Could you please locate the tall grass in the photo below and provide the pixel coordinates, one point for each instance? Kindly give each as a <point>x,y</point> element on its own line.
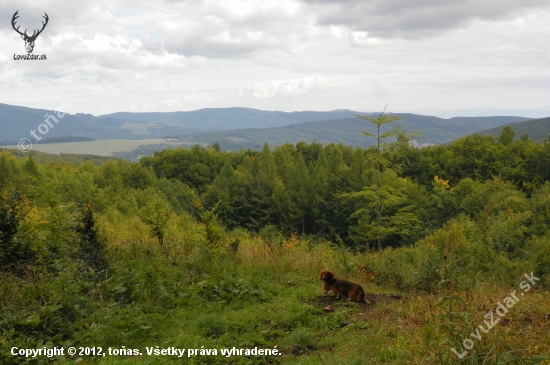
<point>250,290</point>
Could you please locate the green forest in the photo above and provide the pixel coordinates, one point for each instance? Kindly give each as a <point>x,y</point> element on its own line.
<point>213,249</point>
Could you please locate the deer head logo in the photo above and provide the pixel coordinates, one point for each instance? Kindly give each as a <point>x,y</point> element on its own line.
<point>29,40</point>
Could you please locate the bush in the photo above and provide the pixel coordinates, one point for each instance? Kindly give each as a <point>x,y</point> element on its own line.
<point>13,252</point>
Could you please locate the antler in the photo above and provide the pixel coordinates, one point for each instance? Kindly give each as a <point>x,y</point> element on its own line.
<point>34,34</point>
<point>43,25</point>
<point>15,16</point>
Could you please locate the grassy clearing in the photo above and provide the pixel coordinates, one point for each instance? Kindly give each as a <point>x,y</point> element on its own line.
<point>100,148</point>
<point>101,275</point>
<point>247,293</point>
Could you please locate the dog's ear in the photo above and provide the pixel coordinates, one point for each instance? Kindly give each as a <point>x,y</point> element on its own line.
<point>326,274</point>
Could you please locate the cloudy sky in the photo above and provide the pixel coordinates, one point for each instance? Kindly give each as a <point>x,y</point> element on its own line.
<point>168,55</point>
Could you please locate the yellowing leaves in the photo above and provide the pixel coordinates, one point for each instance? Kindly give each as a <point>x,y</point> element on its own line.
<point>294,242</point>
<point>444,183</point>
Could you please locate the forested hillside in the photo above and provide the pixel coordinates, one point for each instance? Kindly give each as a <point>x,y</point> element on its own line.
<point>432,130</point>
<point>231,118</point>
<point>17,122</point>
<point>221,249</point>
<point>537,129</point>
<point>316,189</point>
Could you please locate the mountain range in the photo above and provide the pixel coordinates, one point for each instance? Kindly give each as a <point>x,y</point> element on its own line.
<point>17,122</point>
<point>433,130</point>
<point>216,119</point>
<point>235,128</point>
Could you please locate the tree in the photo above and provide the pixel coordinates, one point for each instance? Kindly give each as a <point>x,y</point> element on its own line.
<point>299,190</point>
<point>222,192</point>
<point>284,204</point>
<point>156,215</point>
<point>380,121</point>
<point>13,252</point>
<point>209,218</point>
<point>267,168</point>
<point>400,224</point>
<point>319,186</point>
<point>507,135</point>
<point>92,247</point>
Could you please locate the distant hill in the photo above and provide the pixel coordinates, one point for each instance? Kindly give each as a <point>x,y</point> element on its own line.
<point>537,129</point>
<point>212,119</point>
<point>528,113</point>
<point>348,131</point>
<point>233,128</point>
<point>16,122</point>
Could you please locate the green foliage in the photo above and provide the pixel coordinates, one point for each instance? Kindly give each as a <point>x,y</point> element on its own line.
<point>197,167</point>
<point>271,235</point>
<point>536,129</point>
<point>211,325</point>
<point>92,246</point>
<point>207,286</point>
<point>230,290</point>
<point>209,219</point>
<point>8,168</point>
<point>507,135</point>
<point>14,252</point>
<point>347,129</point>
<point>301,341</point>
<point>156,214</point>
<point>379,162</point>
<point>177,194</point>
<point>399,221</point>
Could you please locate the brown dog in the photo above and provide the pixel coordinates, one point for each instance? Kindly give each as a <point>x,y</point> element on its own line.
<point>345,288</point>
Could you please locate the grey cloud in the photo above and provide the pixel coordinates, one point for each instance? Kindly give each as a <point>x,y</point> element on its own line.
<point>215,31</point>
<point>61,14</point>
<point>152,46</point>
<point>414,19</point>
<point>213,49</point>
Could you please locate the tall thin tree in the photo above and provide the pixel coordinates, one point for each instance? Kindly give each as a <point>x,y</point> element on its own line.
<point>380,121</point>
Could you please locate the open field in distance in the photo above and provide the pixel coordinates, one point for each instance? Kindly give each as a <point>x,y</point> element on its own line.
<point>101,148</point>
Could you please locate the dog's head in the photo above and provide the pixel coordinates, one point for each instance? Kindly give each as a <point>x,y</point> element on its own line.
<point>326,275</point>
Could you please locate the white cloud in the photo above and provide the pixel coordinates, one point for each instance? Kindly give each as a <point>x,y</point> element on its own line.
<point>285,55</point>
<point>282,88</point>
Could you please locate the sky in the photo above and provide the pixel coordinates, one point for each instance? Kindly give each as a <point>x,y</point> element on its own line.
<point>423,56</point>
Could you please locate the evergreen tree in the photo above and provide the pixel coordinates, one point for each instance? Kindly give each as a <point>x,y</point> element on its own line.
<point>299,191</point>
<point>92,247</point>
<point>283,160</point>
<point>31,167</point>
<point>267,168</point>
<point>507,135</point>
<point>399,224</point>
<point>285,207</point>
<point>319,185</point>
<point>13,252</point>
<point>380,121</point>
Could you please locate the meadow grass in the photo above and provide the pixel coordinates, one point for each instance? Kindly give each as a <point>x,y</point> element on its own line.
<point>246,292</point>
<point>100,148</point>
